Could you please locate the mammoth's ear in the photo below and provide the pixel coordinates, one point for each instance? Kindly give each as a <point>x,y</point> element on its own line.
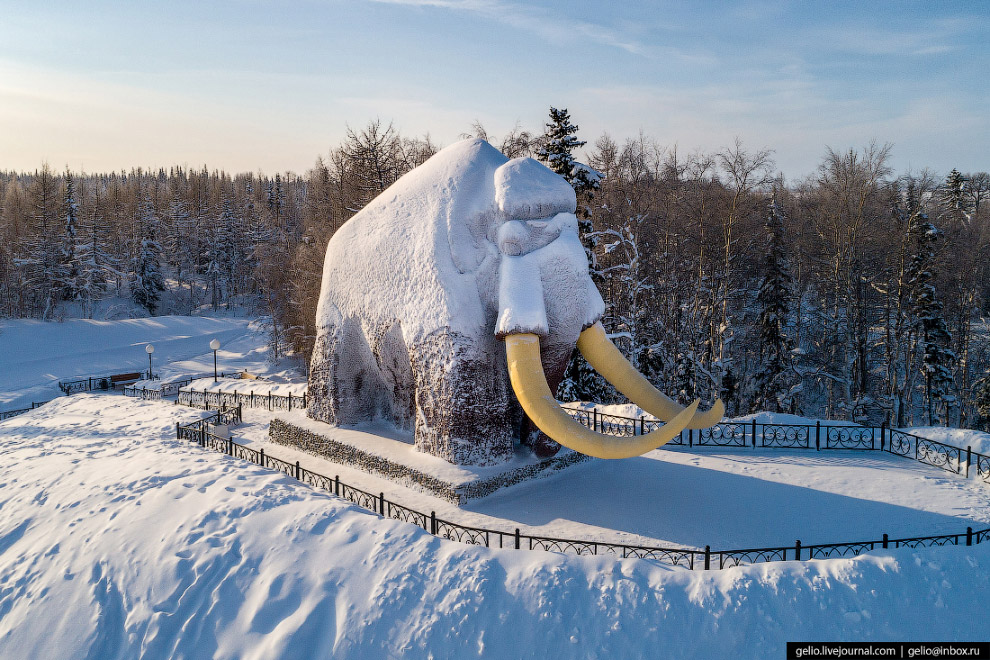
<point>471,215</point>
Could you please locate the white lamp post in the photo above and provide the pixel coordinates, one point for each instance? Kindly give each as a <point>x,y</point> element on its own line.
<point>215,345</point>
<point>149,349</point>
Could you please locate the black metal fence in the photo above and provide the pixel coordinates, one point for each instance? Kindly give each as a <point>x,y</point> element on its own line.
<point>103,382</point>
<point>691,558</point>
<point>7,414</point>
<point>165,389</point>
<point>267,400</point>
<point>802,436</point>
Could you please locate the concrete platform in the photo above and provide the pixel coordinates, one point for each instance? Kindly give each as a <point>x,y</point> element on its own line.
<point>382,450</point>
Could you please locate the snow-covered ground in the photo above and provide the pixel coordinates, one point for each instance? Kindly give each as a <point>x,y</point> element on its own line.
<point>725,498</point>
<point>35,355</point>
<point>118,541</point>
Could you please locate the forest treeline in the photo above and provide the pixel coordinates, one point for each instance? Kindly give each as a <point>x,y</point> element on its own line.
<point>855,293</point>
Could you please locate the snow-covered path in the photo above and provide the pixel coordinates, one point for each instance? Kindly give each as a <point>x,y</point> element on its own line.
<point>117,541</point>
<point>35,355</point>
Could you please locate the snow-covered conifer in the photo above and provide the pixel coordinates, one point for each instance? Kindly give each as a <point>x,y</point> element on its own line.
<point>772,382</point>
<point>937,359</point>
<point>148,282</point>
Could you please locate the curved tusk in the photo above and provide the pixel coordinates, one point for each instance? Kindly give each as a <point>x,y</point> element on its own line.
<point>607,360</point>
<point>530,385</point>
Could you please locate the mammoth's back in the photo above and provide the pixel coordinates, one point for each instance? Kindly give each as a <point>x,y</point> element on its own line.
<point>413,255</point>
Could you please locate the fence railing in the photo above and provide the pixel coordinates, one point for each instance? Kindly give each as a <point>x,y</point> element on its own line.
<point>6,414</point>
<point>202,398</point>
<point>802,436</point>
<point>167,389</point>
<point>691,558</point>
<point>101,382</point>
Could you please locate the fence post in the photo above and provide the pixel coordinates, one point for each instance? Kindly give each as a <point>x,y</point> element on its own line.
<point>304,400</point>
<point>797,550</point>
<point>269,399</point>
<point>262,463</point>
<point>594,419</point>
<point>517,538</point>
<point>708,557</point>
<point>336,485</point>
<point>433,523</point>
<point>969,459</point>
<point>642,425</point>
<point>381,503</point>
<point>885,541</point>
<point>764,434</point>
<point>969,536</point>
<point>691,437</point>
<point>297,471</point>
<point>290,402</point>
<point>240,414</point>
<point>754,433</point>
<point>230,446</point>
<point>177,435</point>
<point>818,435</point>
<point>883,435</point>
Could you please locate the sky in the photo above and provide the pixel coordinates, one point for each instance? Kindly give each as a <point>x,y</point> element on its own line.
<point>265,85</point>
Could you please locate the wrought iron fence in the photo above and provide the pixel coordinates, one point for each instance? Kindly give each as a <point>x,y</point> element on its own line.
<point>691,558</point>
<point>7,414</point>
<point>170,388</point>
<point>200,398</point>
<point>802,436</point>
<point>102,382</point>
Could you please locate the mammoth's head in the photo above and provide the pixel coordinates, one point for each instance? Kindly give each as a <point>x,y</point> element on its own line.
<point>546,293</point>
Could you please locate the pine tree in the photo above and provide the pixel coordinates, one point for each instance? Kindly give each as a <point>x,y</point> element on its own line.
<point>954,198</point>
<point>95,266</point>
<point>557,151</point>
<point>68,269</point>
<point>148,283</point>
<point>937,360</point>
<point>772,383</point>
<point>981,391</point>
<point>581,382</point>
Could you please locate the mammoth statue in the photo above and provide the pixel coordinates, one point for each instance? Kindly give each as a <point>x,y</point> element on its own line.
<point>450,306</point>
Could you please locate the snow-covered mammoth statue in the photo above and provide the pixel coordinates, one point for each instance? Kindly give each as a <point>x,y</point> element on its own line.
<point>422,287</point>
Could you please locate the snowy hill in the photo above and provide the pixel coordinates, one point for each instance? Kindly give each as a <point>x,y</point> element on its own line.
<point>36,355</point>
<point>117,541</point>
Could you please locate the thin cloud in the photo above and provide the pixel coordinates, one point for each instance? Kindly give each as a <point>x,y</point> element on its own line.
<point>556,28</point>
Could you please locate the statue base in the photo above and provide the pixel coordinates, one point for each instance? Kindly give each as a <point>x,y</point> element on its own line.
<point>385,452</point>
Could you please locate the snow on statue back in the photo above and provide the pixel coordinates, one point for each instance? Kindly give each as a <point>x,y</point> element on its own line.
<point>418,287</point>
<point>410,299</point>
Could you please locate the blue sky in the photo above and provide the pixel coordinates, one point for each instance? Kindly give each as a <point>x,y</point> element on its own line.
<point>264,85</point>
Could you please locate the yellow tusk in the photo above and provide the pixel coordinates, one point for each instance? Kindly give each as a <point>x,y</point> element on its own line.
<point>530,385</point>
<point>607,360</point>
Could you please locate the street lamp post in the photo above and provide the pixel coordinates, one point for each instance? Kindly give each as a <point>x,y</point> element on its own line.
<point>149,349</point>
<point>215,345</point>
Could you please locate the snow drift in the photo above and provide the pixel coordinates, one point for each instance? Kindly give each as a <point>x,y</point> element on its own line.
<point>117,541</point>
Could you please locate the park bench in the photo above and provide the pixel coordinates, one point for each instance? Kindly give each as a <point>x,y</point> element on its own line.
<point>123,379</point>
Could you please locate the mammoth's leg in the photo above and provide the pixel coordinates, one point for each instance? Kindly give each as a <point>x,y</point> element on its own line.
<point>345,382</point>
<point>462,405</point>
<point>324,400</point>
<point>554,359</point>
<point>395,371</point>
